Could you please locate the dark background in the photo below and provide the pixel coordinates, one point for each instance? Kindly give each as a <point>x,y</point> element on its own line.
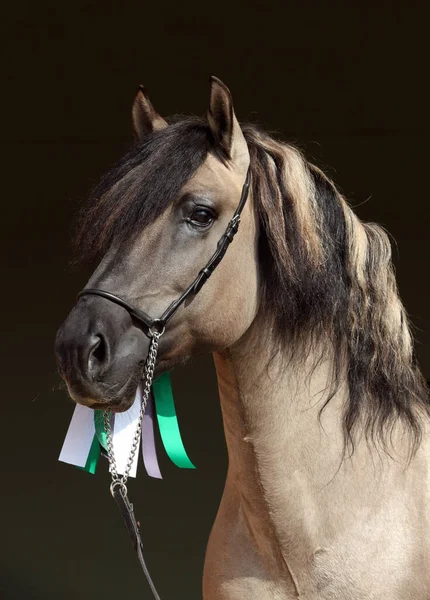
<point>344,80</point>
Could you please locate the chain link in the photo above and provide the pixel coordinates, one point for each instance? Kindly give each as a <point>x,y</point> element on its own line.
<point>148,377</point>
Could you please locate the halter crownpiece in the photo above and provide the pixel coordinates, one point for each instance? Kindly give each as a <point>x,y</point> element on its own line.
<point>150,326</point>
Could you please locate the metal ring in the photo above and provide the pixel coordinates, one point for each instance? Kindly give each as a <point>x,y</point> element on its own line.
<point>118,483</point>
<point>157,327</point>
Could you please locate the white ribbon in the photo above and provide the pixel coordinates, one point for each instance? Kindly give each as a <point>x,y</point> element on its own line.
<point>79,437</point>
<point>81,432</point>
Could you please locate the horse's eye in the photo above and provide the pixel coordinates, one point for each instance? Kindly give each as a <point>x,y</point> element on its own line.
<point>201,217</point>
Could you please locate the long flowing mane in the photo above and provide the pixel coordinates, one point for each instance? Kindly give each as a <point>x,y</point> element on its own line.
<point>327,277</point>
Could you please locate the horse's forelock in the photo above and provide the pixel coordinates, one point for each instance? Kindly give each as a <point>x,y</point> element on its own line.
<point>140,187</point>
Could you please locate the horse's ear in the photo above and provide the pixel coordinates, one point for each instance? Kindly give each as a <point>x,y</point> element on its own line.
<point>145,117</point>
<point>223,123</point>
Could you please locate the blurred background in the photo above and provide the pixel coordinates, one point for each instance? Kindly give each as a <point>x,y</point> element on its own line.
<point>343,80</point>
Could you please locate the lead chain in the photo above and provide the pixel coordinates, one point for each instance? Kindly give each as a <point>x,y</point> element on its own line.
<point>117,479</point>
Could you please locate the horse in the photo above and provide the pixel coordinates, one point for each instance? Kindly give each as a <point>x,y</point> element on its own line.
<point>325,411</point>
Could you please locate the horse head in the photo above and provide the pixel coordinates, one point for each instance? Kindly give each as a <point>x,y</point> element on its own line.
<point>155,221</point>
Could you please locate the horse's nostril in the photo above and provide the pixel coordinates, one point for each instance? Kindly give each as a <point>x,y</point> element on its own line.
<point>99,351</point>
<point>98,354</point>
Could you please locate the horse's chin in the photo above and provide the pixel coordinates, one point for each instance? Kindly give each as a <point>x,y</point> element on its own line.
<point>105,397</point>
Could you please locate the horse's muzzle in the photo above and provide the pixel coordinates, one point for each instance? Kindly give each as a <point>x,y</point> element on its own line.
<point>101,354</point>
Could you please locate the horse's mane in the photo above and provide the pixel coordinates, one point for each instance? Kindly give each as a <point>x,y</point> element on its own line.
<point>326,275</point>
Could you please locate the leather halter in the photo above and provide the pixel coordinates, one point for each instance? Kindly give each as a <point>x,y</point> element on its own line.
<point>150,325</point>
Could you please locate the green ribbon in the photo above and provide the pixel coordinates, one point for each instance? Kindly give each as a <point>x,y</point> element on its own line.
<point>93,457</point>
<point>99,424</point>
<point>99,439</point>
<point>168,422</point>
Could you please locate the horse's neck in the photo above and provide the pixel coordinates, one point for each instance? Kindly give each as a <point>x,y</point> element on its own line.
<point>285,464</point>
<point>274,436</point>
<point>274,411</point>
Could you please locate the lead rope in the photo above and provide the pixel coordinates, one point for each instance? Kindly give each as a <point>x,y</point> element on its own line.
<point>118,487</point>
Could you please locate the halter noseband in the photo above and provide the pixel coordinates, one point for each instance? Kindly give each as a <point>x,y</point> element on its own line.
<point>158,325</point>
